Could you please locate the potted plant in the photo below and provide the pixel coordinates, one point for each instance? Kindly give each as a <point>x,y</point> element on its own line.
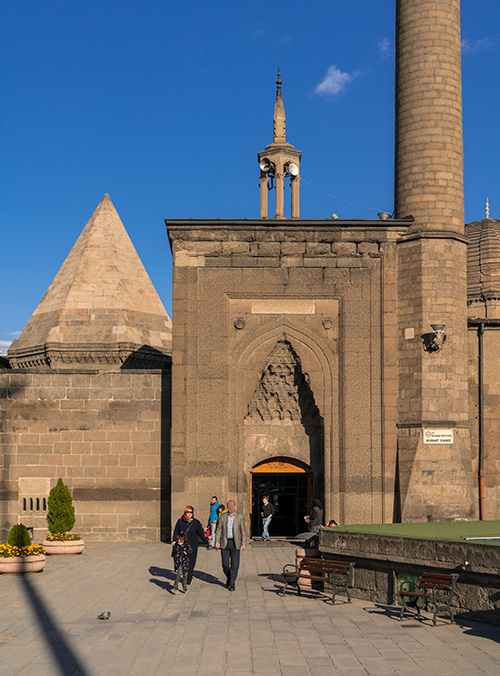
<point>19,555</point>
<point>60,520</point>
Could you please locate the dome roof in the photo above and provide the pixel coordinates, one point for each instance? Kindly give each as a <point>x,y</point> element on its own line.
<point>483,260</point>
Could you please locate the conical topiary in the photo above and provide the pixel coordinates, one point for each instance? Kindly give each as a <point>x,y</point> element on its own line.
<point>19,536</point>
<point>61,513</point>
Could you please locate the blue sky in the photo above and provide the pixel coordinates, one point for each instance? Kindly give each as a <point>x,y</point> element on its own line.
<point>164,105</point>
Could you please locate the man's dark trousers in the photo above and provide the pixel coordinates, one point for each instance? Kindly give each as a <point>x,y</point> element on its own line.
<point>230,562</point>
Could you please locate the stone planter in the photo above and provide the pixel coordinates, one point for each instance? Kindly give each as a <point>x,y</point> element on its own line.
<point>22,564</point>
<point>64,546</point>
<point>303,582</point>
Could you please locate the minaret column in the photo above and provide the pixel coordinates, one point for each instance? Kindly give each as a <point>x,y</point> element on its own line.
<point>429,149</point>
<point>263,196</point>
<point>294,188</point>
<point>436,481</point>
<point>280,195</point>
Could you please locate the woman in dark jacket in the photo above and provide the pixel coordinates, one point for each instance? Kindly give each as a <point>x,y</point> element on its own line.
<point>193,530</point>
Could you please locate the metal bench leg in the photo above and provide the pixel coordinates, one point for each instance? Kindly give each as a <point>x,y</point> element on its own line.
<point>402,609</point>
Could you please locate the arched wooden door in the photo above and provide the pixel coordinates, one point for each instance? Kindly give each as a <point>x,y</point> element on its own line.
<point>288,482</point>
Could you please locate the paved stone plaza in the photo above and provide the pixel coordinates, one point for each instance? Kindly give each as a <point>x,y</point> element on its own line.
<point>48,623</point>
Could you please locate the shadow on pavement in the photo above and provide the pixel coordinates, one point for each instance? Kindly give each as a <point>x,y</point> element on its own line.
<point>392,612</point>
<point>163,584</point>
<point>155,571</point>
<point>206,577</point>
<point>410,618</point>
<point>168,583</point>
<point>65,658</point>
<point>274,577</point>
<point>472,628</point>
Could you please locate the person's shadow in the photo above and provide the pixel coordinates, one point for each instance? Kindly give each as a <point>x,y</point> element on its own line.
<point>206,577</point>
<point>168,583</point>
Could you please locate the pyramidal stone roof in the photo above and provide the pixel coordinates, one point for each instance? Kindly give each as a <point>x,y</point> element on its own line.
<point>101,310</point>
<point>483,260</point>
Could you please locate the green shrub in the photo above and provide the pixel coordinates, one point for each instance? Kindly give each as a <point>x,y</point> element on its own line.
<point>19,536</point>
<point>61,513</point>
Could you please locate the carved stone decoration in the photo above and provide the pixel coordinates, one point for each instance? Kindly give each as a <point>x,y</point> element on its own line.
<point>327,323</point>
<point>283,392</point>
<point>239,323</point>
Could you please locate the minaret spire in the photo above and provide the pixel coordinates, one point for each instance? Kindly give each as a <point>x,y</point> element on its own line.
<point>487,208</point>
<point>279,123</point>
<point>278,161</point>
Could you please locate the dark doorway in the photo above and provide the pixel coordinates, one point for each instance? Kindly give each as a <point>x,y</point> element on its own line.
<point>288,492</point>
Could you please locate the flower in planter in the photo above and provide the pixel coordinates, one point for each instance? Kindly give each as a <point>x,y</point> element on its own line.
<point>61,513</point>
<point>7,551</point>
<point>62,537</point>
<point>19,544</point>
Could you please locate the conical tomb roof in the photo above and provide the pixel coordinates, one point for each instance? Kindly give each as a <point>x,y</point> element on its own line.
<point>101,310</point>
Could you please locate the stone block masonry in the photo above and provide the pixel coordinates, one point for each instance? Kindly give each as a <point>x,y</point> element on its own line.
<point>326,291</point>
<point>105,433</point>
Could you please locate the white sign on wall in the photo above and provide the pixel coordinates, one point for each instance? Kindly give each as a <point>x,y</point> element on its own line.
<point>432,435</point>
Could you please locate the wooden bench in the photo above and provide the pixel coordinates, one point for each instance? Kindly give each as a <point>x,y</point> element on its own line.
<point>434,587</point>
<point>337,573</point>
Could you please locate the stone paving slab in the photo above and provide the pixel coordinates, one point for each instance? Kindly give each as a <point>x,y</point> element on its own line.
<point>48,623</point>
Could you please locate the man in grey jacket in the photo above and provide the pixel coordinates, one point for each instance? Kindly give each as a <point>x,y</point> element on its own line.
<point>231,538</point>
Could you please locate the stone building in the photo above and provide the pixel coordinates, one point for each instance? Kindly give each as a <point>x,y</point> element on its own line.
<point>329,359</point>
<point>87,397</point>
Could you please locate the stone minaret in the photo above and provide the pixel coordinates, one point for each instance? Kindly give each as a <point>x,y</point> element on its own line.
<point>279,160</point>
<point>436,480</point>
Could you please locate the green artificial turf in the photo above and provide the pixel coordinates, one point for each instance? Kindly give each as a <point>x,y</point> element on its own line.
<point>442,530</point>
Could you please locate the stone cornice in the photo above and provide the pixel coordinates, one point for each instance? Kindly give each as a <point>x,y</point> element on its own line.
<point>433,234</point>
<point>413,424</point>
<point>60,355</point>
<point>285,224</point>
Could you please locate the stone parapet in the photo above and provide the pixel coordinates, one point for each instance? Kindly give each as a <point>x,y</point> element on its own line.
<point>382,559</point>
<point>274,244</point>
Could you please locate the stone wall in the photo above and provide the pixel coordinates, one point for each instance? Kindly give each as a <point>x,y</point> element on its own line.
<point>326,288</point>
<point>382,559</point>
<point>491,366</point>
<point>105,433</point>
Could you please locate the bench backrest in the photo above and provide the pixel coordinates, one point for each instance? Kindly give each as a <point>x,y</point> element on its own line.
<point>325,565</point>
<point>437,581</point>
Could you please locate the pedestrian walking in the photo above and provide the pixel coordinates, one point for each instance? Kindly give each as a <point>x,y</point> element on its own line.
<point>266,514</point>
<point>194,532</point>
<point>180,553</point>
<point>231,539</point>
<point>213,518</point>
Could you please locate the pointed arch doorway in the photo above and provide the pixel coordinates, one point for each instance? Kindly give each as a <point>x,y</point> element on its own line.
<point>289,484</point>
